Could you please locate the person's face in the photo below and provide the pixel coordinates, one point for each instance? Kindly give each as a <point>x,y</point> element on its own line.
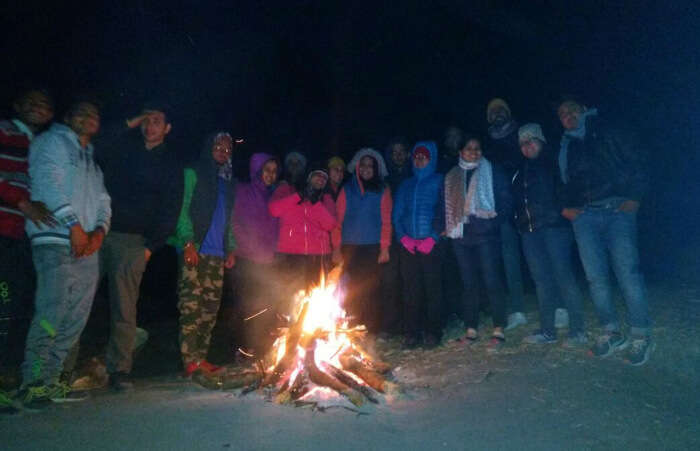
<point>531,148</point>
<point>294,167</point>
<point>154,127</point>
<point>85,120</point>
<point>499,115</point>
<point>399,154</point>
<point>471,152</point>
<point>318,181</point>
<point>420,160</point>
<point>336,174</point>
<point>570,114</point>
<point>268,174</point>
<point>366,168</point>
<point>221,149</point>
<point>34,109</point>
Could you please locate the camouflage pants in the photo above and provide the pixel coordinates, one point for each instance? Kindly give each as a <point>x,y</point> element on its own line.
<point>200,289</point>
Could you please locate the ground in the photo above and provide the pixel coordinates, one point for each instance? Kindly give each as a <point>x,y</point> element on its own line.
<point>456,397</point>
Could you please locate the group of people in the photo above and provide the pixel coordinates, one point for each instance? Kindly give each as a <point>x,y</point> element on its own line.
<point>404,225</point>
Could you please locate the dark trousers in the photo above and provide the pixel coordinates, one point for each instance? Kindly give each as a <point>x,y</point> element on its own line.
<point>391,304</point>
<point>362,300</point>
<point>17,281</point>
<point>481,263</point>
<point>422,292</point>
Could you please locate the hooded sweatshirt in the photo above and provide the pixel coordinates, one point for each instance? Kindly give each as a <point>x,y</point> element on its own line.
<point>418,204</point>
<point>65,177</point>
<point>254,228</point>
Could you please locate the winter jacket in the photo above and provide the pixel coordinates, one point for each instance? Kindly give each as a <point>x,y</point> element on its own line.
<point>481,230</point>
<point>145,186</point>
<point>65,177</point>
<point>607,163</point>
<point>304,227</point>
<point>364,217</point>
<point>418,204</point>
<point>255,229</point>
<point>14,180</point>
<point>505,152</point>
<point>535,195</point>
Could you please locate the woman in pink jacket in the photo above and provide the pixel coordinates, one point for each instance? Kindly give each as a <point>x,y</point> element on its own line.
<point>306,219</point>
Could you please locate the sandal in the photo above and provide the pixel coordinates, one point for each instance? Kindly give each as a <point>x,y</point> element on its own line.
<point>495,343</point>
<point>468,338</point>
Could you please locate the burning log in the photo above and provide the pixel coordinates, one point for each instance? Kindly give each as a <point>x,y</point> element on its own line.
<point>320,378</point>
<point>350,382</point>
<point>372,378</point>
<point>293,337</point>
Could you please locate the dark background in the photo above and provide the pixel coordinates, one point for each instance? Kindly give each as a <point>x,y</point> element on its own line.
<point>330,77</point>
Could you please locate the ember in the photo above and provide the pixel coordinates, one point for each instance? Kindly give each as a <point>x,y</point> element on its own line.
<point>318,354</point>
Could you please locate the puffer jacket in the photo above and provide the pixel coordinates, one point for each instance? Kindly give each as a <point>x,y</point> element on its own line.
<point>535,199</point>
<point>418,204</point>
<point>304,227</point>
<point>606,163</point>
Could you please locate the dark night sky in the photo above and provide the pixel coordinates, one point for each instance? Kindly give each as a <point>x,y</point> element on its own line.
<point>328,76</point>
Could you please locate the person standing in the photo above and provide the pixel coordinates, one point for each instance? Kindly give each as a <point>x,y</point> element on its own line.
<point>417,218</point>
<point>143,178</point>
<point>65,177</point>
<point>336,175</point>
<point>605,176</point>
<point>364,229</point>
<point>204,234</point>
<point>33,111</point>
<point>547,239</point>
<point>477,202</point>
<point>255,231</point>
<point>503,149</point>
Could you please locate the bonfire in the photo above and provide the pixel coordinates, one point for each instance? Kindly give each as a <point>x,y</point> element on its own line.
<point>318,355</point>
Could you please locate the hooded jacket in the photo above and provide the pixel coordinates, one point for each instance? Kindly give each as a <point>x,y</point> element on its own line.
<point>364,217</point>
<point>418,204</point>
<point>200,195</point>
<point>65,177</point>
<point>254,228</point>
<point>304,227</point>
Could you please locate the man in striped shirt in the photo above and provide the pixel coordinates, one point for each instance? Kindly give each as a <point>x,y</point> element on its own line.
<point>33,112</point>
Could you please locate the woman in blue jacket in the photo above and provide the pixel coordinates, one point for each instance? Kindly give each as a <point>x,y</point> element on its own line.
<point>417,220</point>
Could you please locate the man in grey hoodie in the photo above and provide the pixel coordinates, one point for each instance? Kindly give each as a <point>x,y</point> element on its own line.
<point>65,177</point>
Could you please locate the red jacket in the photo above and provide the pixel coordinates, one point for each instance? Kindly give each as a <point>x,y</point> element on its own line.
<point>14,181</point>
<point>304,227</point>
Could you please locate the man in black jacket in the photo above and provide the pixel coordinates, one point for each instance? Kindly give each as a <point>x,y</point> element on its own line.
<point>142,177</point>
<point>604,175</point>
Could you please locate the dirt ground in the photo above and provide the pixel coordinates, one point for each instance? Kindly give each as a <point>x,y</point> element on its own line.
<point>455,397</point>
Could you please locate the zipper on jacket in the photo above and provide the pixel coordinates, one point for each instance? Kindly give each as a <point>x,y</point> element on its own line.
<point>527,209</point>
<point>306,234</point>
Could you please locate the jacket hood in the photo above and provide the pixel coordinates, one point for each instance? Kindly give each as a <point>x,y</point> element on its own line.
<point>64,130</point>
<point>352,167</point>
<point>432,164</point>
<point>258,160</point>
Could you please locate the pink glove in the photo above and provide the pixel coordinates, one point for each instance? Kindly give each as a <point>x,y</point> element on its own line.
<point>409,243</point>
<point>424,246</point>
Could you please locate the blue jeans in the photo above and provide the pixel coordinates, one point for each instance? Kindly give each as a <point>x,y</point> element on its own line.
<point>606,236</point>
<point>548,253</point>
<point>510,250</point>
<point>65,289</point>
<point>481,263</point>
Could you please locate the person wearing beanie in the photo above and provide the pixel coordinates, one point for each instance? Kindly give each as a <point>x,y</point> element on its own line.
<point>477,202</point>
<point>418,222</point>
<point>336,175</point>
<point>547,239</point>
<point>306,218</point>
<point>364,231</point>
<point>604,173</point>
<point>502,149</point>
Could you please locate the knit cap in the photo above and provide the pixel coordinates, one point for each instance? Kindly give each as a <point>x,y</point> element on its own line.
<point>530,131</point>
<point>336,162</point>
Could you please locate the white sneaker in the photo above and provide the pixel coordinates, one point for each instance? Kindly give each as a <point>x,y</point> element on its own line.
<point>561,318</point>
<point>516,319</point>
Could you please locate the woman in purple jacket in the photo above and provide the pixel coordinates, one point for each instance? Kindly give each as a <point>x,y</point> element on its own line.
<point>255,231</point>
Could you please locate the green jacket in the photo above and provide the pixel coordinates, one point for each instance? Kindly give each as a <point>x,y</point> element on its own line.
<point>185,230</point>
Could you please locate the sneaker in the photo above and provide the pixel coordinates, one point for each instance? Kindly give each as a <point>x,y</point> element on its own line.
<point>120,382</point>
<point>561,318</point>
<point>33,394</point>
<point>608,343</point>
<point>516,319</point>
<point>575,341</point>
<point>639,351</point>
<point>495,343</point>
<point>410,342</point>
<point>430,341</point>
<point>61,392</point>
<point>539,338</point>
